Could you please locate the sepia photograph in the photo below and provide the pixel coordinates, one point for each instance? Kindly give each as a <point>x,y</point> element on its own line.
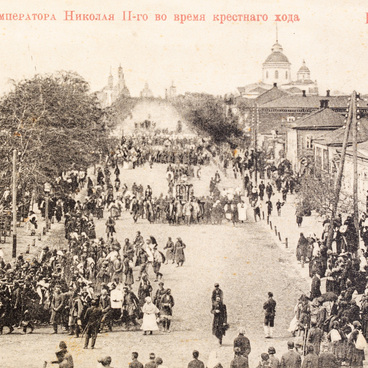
<point>183,184</point>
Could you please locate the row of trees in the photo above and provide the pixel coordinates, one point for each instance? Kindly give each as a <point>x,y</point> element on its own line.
<point>207,114</point>
<point>54,123</point>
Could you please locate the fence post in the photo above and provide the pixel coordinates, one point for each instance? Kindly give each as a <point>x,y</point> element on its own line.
<point>286,243</point>
<point>271,225</point>
<point>279,235</point>
<point>275,230</point>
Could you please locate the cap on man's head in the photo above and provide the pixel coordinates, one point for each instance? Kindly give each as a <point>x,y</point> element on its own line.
<point>264,356</point>
<point>217,285</point>
<point>290,344</point>
<point>161,283</point>
<point>62,345</point>
<point>270,294</point>
<point>271,350</point>
<point>152,356</point>
<point>159,361</point>
<point>195,354</point>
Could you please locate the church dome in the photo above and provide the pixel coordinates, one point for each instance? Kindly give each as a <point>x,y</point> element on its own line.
<point>304,68</point>
<point>277,57</point>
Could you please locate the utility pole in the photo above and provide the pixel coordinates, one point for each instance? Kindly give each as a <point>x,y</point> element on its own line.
<point>355,118</point>
<point>255,146</point>
<point>341,170</point>
<point>14,204</point>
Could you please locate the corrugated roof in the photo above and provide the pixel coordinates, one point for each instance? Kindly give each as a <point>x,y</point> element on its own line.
<point>323,118</point>
<point>336,137</point>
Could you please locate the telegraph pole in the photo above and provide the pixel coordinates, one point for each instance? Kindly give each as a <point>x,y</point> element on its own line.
<point>14,204</point>
<point>341,170</point>
<point>355,123</point>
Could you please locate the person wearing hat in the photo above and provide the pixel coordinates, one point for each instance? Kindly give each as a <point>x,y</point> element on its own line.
<point>131,308</point>
<point>160,292</point>
<point>166,306</point>
<point>195,363</point>
<point>92,319</point>
<point>243,343</point>
<point>315,336</point>
<point>269,308</point>
<point>311,359</point>
<point>265,361</point>
<point>57,305</point>
<point>219,325</point>
<point>217,292</point>
<point>291,359</point>
<point>356,355</point>
<point>105,361</point>
<point>274,362</point>
<point>152,361</point>
<point>239,360</point>
<point>67,356</point>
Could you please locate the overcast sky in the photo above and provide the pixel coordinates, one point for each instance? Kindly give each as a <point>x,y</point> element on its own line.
<point>199,56</point>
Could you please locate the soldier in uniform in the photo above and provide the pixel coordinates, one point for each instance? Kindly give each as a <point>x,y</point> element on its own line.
<point>217,292</point>
<point>57,305</point>
<point>105,305</point>
<point>93,320</point>
<point>270,311</point>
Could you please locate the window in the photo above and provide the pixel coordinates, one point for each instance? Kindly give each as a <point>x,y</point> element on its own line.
<point>286,75</point>
<point>309,142</point>
<point>266,75</point>
<point>276,74</point>
<point>290,119</point>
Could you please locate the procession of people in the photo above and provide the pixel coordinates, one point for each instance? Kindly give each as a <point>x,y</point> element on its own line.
<point>99,281</point>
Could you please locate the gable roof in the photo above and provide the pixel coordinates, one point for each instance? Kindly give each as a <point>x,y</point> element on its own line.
<point>320,119</point>
<point>270,95</point>
<point>336,137</point>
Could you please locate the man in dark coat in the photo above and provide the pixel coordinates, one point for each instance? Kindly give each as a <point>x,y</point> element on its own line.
<point>243,343</point>
<point>239,360</point>
<point>93,320</point>
<point>135,363</point>
<point>327,359</point>
<point>219,325</point>
<point>195,363</point>
<point>217,292</point>
<point>57,305</point>
<point>315,336</point>
<point>291,359</point>
<point>270,311</point>
<point>311,359</point>
<point>315,287</point>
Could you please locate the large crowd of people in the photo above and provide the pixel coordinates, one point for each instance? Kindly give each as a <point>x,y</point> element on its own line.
<point>99,282</point>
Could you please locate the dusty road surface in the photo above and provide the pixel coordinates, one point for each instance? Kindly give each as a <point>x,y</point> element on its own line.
<point>244,260</point>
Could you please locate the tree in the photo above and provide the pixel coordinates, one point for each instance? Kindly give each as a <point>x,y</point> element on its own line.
<point>53,122</point>
<point>318,194</point>
<point>206,114</point>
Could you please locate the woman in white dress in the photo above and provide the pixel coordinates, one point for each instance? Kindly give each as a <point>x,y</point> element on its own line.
<point>242,211</point>
<point>149,317</point>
